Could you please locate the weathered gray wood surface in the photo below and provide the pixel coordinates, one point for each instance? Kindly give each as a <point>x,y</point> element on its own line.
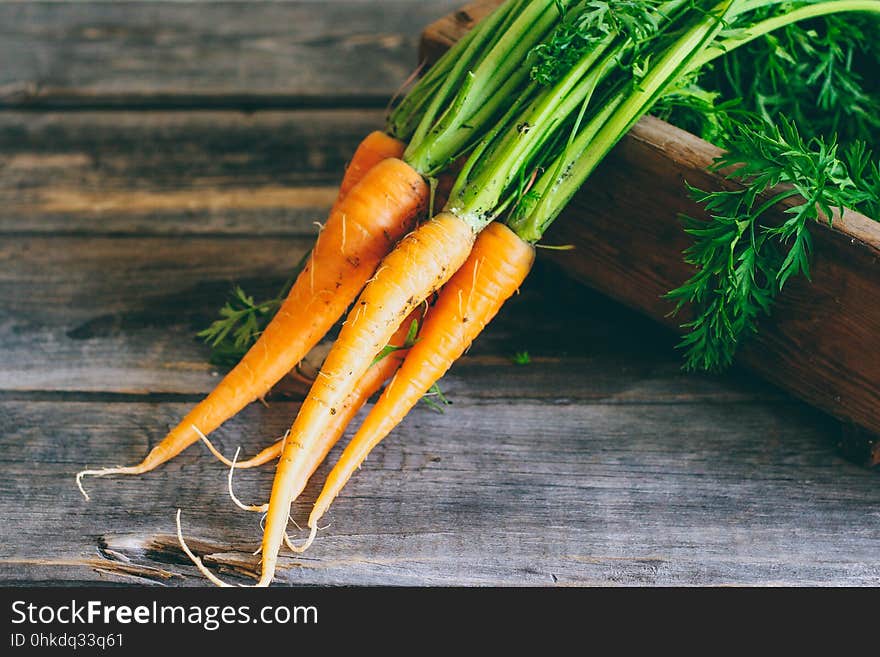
<point>124,54</point>
<point>598,463</point>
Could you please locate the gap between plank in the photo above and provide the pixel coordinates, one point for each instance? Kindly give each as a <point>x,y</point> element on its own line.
<point>72,102</point>
<point>87,396</point>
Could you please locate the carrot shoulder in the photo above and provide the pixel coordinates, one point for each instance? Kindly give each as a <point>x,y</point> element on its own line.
<point>495,269</point>
<point>374,148</point>
<point>361,229</point>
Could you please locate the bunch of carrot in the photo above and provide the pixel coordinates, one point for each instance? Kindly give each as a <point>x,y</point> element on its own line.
<point>531,100</point>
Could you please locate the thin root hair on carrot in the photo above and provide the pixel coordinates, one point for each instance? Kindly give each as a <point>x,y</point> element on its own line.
<point>196,560</point>
<point>263,522</point>
<point>342,245</point>
<point>473,283</point>
<point>262,457</point>
<point>378,271</point>
<point>299,549</point>
<point>211,448</point>
<point>556,247</point>
<point>357,313</point>
<point>103,472</point>
<point>262,508</point>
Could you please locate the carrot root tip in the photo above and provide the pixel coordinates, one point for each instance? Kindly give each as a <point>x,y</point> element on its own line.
<point>103,472</point>
<point>261,458</point>
<point>196,560</point>
<point>299,549</point>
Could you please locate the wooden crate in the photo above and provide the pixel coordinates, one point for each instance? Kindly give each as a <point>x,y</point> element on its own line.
<point>821,343</point>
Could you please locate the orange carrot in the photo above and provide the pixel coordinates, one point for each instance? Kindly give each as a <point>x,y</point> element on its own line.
<point>362,228</point>
<point>422,262</point>
<point>495,269</point>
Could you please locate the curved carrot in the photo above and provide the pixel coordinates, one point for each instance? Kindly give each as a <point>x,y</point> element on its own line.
<point>374,378</point>
<point>422,262</point>
<point>362,228</point>
<point>495,269</point>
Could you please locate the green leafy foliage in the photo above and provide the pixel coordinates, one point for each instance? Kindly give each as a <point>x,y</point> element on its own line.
<point>742,262</point>
<point>408,342</point>
<point>820,73</point>
<point>240,324</point>
<point>242,320</point>
<point>699,111</point>
<point>521,358</point>
<point>435,398</point>
<point>584,25</point>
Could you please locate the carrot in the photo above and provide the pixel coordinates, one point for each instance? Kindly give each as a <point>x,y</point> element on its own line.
<point>500,263</point>
<point>495,269</point>
<point>422,262</point>
<point>361,229</point>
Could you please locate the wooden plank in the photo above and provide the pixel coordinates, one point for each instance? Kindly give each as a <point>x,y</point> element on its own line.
<point>118,314</point>
<point>689,494</point>
<point>819,343</point>
<point>194,172</point>
<point>225,54</point>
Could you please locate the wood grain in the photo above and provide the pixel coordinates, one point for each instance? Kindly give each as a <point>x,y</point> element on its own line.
<point>200,54</point>
<point>608,495</point>
<point>182,172</point>
<point>819,343</point>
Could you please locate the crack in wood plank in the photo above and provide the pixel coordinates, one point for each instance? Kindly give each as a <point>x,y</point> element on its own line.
<point>108,566</point>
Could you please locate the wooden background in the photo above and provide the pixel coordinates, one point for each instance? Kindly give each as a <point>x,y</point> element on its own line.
<point>153,154</point>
